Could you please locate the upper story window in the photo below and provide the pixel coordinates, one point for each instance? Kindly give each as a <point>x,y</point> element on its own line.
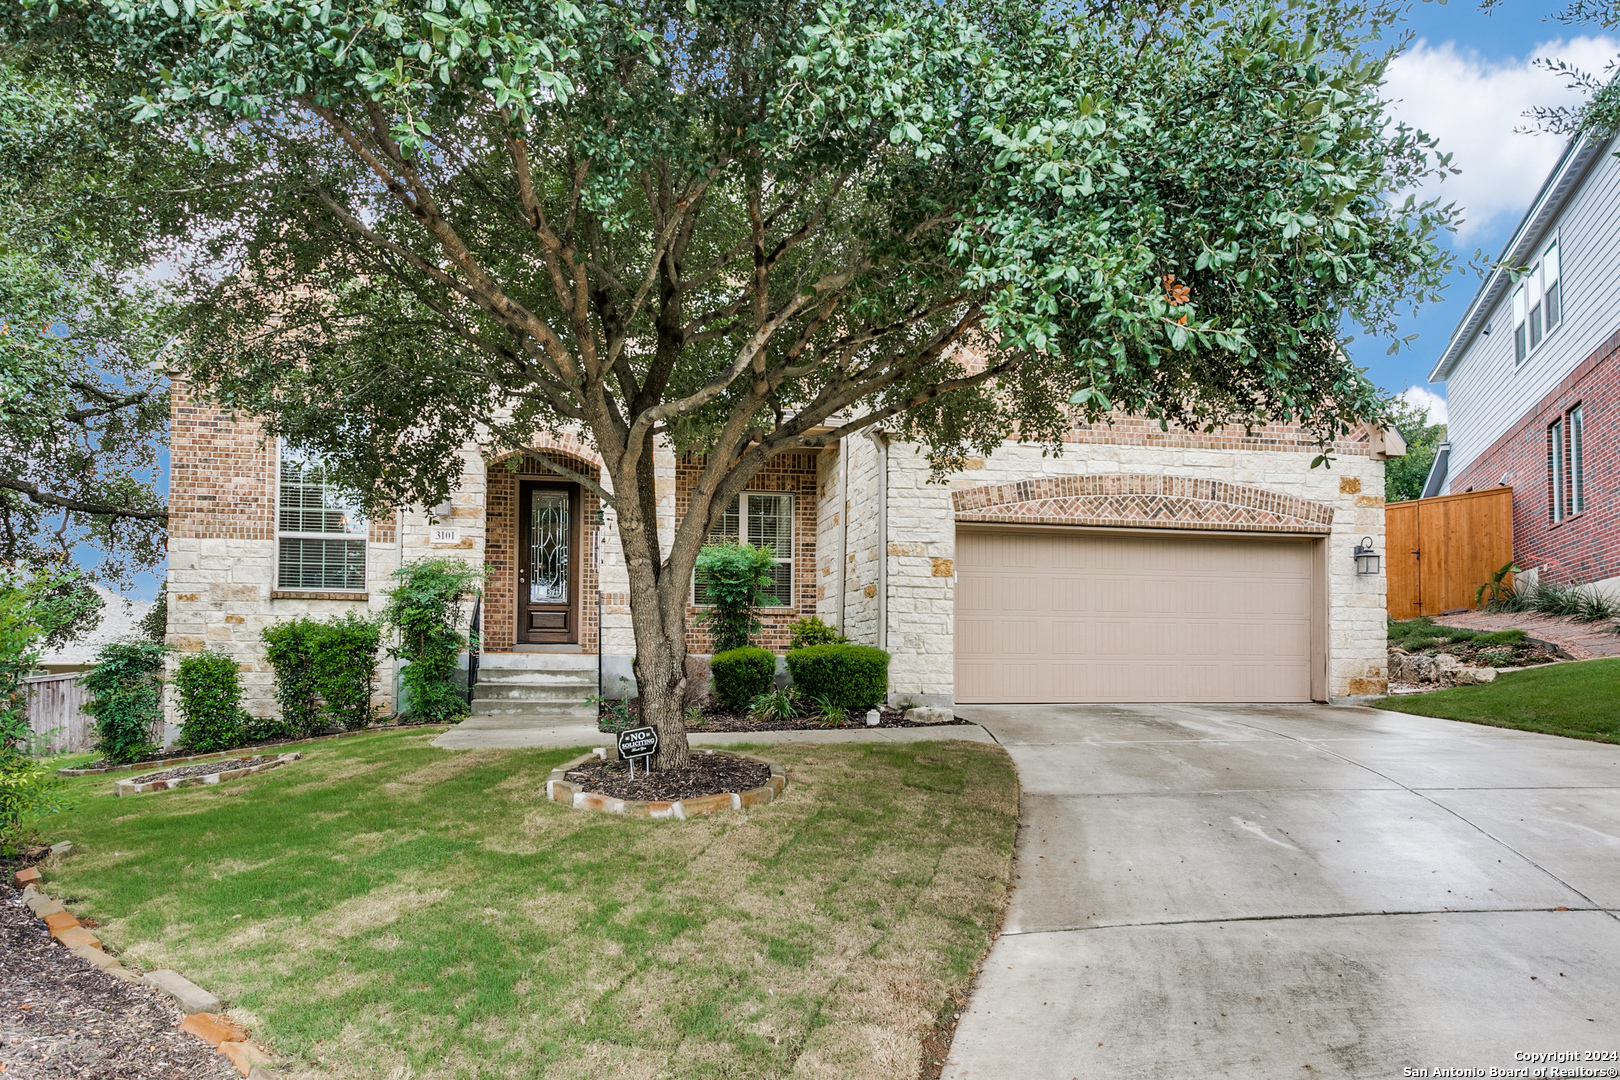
<point>1538,305</point>
<point>1566,467</point>
<point>320,534</point>
<point>764,519</point>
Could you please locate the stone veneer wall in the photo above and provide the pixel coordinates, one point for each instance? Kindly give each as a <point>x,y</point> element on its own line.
<point>922,519</point>
<point>222,548</point>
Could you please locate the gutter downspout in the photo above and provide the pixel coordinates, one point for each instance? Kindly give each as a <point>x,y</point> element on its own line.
<point>881,441</point>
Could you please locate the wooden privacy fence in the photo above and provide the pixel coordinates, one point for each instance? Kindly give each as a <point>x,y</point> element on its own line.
<point>1441,550</point>
<point>56,708</point>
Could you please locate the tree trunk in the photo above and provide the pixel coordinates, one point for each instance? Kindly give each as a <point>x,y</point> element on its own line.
<point>658,618</point>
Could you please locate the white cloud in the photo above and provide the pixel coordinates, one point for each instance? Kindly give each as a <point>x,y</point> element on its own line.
<point>1427,400</point>
<point>1472,105</point>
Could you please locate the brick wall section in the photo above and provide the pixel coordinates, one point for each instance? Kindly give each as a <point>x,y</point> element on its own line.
<point>794,473</point>
<point>501,549</point>
<point>1585,547</point>
<point>1121,430</point>
<point>222,472</point>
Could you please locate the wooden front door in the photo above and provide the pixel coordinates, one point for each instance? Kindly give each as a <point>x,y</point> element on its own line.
<point>548,563</point>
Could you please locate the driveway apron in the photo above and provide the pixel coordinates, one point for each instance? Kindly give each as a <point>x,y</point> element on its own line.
<point>1298,891</point>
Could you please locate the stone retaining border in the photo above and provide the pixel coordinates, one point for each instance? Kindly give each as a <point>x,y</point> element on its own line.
<point>134,787</point>
<point>561,790</point>
<point>165,763</point>
<point>228,1038</point>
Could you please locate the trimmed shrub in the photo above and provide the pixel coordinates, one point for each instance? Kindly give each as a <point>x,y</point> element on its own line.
<point>346,669</point>
<point>126,698</point>
<point>325,672</point>
<point>211,701</point>
<point>741,675</point>
<point>425,608</point>
<point>731,582</point>
<point>289,648</point>
<point>852,676</point>
<point>810,631</point>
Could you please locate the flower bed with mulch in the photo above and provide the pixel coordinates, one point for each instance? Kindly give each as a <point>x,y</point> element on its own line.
<point>210,772</point>
<point>707,774</point>
<point>718,718</point>
<point>61,1017</point>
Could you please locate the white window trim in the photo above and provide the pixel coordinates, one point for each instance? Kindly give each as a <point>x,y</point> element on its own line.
<point>363,535</point>
<point>788,561</point>
<point>1535,282</point>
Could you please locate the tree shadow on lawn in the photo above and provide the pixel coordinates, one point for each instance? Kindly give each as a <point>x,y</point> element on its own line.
<point>383,906</point>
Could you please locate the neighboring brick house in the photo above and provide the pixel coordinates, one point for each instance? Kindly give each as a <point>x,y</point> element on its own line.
<point>1533,376</point>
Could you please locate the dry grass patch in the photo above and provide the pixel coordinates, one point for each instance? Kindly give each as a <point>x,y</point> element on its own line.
<point>411,912</point>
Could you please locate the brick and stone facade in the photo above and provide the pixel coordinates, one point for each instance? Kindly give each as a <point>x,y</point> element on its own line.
<point>1130,475</point>
<point>1583,548</point>
<point>874,535</point>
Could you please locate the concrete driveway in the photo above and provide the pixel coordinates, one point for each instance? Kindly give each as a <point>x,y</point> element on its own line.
<point>1298,891</point>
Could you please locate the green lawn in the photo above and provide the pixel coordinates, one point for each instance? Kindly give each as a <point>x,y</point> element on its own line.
<point>1581,700</point>
<point>392,910</point>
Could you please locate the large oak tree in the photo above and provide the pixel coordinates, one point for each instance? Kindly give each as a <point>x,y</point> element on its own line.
<point>751,226</point>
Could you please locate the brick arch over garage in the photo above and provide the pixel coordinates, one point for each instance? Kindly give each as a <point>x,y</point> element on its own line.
<point>1142,501</point>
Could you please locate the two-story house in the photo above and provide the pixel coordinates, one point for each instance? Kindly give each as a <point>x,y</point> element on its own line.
<point>1533,375</point>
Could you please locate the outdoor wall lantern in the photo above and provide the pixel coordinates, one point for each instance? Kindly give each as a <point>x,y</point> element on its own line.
<point>1366,557</point>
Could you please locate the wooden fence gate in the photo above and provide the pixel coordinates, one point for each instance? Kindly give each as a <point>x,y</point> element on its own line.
<point>1441,550</point>
<point>56,709</point>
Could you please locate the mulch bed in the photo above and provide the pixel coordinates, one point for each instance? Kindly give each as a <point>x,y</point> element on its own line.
<point>60,1017</point>
<point>708,774</point>
<point>716,718</point>
<point>203,768</point>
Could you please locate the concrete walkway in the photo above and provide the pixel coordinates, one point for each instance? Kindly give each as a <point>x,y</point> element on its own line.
<point>1297,891</point>
<point>515,733</point>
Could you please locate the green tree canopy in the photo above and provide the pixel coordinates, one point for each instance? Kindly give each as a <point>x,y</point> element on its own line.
<point>1404,477</point>
<point>737,224</point>
<point>83,400</point>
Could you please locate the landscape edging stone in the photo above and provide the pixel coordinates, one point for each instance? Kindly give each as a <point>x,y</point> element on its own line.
<point>250,1059</point>
<point>130,787</point>
<point>566,792</point>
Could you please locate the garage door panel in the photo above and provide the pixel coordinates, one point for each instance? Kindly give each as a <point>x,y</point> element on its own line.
<point>1051,616</point>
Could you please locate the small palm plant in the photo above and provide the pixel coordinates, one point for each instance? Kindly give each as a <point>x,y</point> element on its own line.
<point>1497,587</point>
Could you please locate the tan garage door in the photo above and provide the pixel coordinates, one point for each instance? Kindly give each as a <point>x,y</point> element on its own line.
<point>1080,615</point>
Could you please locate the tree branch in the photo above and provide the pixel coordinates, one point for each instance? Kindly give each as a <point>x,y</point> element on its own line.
<point>79,506</point>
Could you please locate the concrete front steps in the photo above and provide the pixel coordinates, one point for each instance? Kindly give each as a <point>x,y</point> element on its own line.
<point>542,688</point>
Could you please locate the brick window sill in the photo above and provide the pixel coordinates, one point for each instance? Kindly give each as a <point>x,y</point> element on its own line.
<point>302,594</point>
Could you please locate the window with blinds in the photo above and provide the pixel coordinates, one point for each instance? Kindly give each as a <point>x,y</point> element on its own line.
<point>320,534</point>
<point>764,519</point>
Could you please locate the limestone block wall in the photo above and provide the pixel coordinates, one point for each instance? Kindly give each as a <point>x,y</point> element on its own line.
<point>921,539</point>
<point>222,550</point>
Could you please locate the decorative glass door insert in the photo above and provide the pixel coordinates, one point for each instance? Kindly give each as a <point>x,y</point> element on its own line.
<point>549,536</point>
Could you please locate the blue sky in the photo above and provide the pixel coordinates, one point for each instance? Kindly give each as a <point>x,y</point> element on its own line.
<point>1467,79</point>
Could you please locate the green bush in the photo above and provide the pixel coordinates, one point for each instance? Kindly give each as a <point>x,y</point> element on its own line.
<point>851,676</point>
<point>210,694</point>
<point>741,675</point>
<point>325,672</point>
<point>731,582</point>
<point>289,649</point>
<point>810,631</point>
<point>126,698</point>
<point>346,669</point>
<point>29,788</point>
<point>424,608</point>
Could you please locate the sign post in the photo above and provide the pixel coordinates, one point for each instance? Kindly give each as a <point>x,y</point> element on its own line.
<point>640,742</point>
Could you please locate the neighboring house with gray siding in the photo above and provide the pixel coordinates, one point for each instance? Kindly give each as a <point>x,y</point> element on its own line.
<point>1532,375</point>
